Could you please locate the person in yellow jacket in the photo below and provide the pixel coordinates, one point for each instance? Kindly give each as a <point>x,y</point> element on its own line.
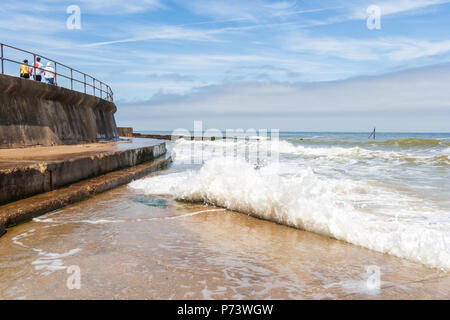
<point>25,70</point>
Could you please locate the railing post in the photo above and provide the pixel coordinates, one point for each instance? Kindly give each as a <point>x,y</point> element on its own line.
<point>55,74</point>
<point>71,79</point>
<point>93,85</point>
<point>84,83</point>
<point>3,71</point>
<point>34,66</point>
<point>101,90</point>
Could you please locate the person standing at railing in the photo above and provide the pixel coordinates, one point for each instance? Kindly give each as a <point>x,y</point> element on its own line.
<point>49,74</point>
<point>38,70</point>
<point>25,70</point>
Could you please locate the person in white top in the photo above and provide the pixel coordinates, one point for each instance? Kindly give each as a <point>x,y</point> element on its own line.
<point>38,70</point>
<point>49,74</point>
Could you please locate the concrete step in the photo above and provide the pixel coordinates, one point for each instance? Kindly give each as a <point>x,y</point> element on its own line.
<point>29,171</point>
<point>23,210</point>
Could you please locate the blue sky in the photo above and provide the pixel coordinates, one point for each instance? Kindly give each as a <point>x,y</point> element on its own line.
<point>293,65</point>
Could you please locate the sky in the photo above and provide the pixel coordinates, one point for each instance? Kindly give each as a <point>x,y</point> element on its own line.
<point>293,65</point>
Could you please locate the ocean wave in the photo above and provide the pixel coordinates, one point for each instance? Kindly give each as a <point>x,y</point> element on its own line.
<point>210,149</point>
<point>306,202</point>
<point>397,143</point>
<point>358,153</point>
<point>410,143</point>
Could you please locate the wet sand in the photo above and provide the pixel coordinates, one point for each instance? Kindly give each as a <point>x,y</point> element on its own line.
<point>126,248</point>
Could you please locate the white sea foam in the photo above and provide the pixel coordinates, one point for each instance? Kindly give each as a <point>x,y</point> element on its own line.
<point>315,204</point>
<point>205,150</point>
<point>16,239</point>
<point>50,262</point>
<point>159,185</point>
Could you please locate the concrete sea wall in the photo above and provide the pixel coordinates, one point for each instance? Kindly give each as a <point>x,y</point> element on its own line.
<point>34,113</point>
<point>24,180</point>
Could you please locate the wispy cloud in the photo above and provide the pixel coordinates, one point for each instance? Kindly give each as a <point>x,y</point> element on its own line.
<point>393,7</point>
<point>166,32</point>
<point>100,7</point>
<point>392,48</point>
<point>119,7</point>
<point>252,10</point>
<point>186,32</point>
<point>230,9</point>
<point>170,76</point>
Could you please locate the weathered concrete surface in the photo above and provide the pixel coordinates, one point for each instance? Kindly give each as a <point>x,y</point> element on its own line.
<point>29,171</point>
<point>34,113</point>
<point>24,210</point>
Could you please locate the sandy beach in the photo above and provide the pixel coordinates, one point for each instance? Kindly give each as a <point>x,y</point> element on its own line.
<point>126,248</point>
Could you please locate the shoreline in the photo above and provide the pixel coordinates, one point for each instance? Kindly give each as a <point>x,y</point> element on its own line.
<point>191,251</point>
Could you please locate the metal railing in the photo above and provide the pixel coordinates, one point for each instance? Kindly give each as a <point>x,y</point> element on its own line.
<point>99,88</point>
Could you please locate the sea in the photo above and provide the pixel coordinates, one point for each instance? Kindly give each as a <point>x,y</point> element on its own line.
<point>390,194</point>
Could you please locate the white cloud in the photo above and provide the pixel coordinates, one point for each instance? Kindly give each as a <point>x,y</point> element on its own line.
<point>257,10</point>
<point>394,48</point>
<point>412,49</point>
<point>158,85</point>
<point>162,33</point>
<point>416,92</point>
<point>119,6</point>
<point>394,7</point>
<point>29,23</point>
<point>101,7</point>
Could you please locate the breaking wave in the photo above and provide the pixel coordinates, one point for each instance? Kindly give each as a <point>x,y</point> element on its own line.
<point>212,149</point>
<point>310,203</point>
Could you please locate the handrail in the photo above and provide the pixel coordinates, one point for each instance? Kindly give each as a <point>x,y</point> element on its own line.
<point>109,95</point>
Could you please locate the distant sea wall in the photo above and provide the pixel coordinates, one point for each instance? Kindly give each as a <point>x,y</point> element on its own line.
<point>34,113</point>
<point>126,132</point>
